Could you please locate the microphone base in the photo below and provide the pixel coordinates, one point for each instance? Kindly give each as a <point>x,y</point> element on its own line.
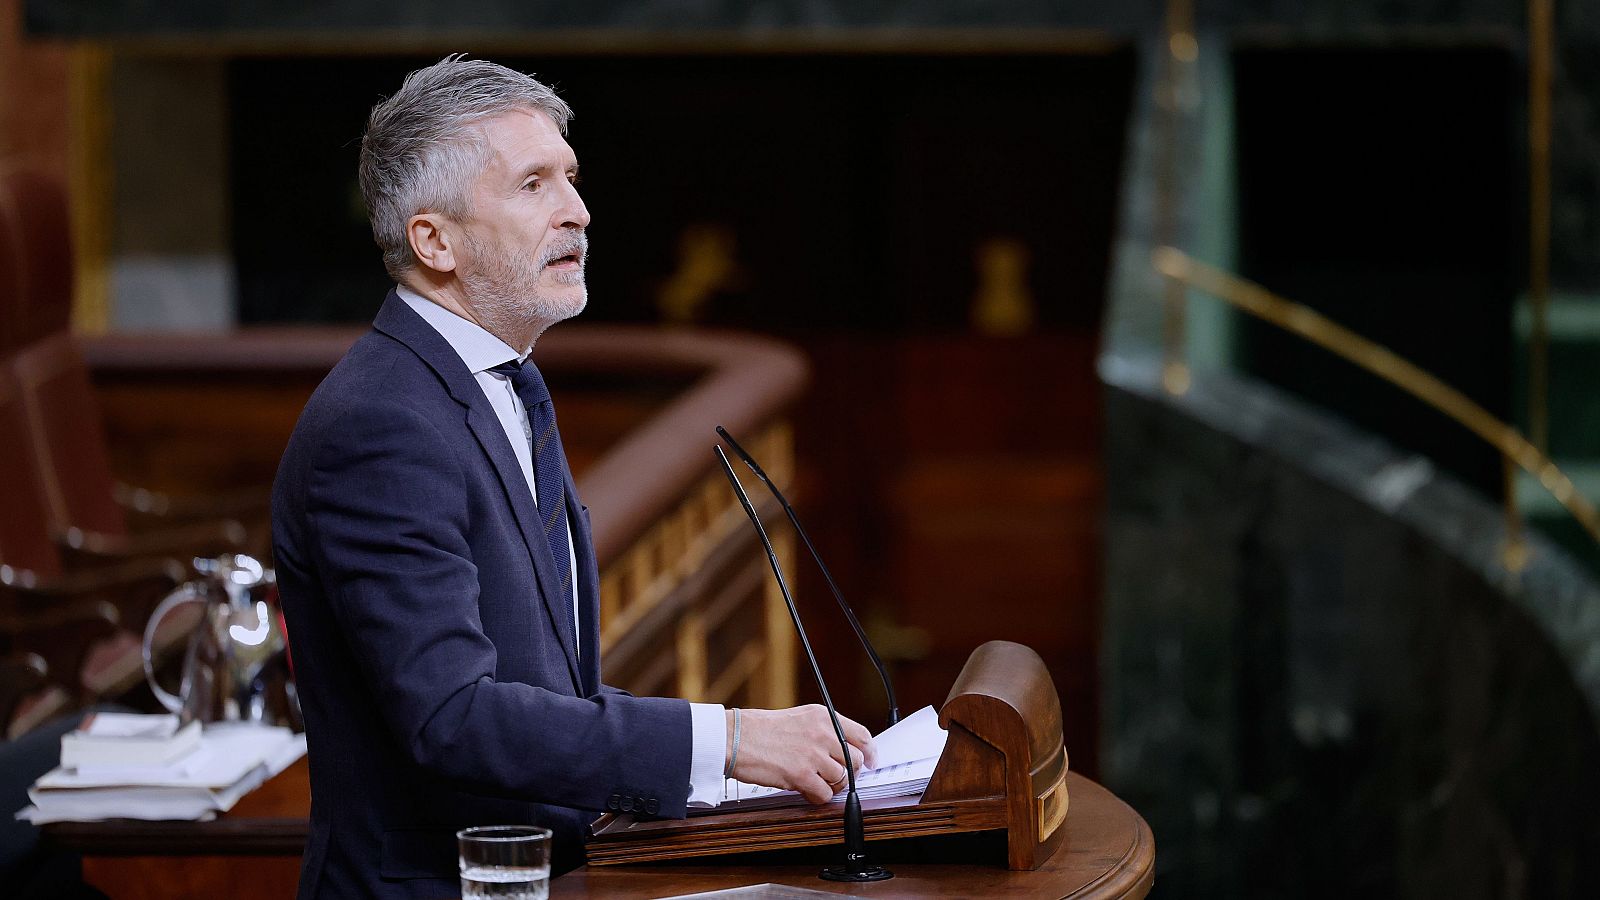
<point>848,872</point>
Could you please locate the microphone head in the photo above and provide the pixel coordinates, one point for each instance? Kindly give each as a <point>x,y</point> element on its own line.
<point>744,455</point>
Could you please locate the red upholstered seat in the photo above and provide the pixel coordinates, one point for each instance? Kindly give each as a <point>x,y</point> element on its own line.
<point>25,541</point>
<point>12,278</point>
<point>60,408</point>
<point>62,416</point>
<point>38,252</point>
<point>61,627</point>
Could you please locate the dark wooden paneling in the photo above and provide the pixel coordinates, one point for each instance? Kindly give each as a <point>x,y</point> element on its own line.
<point>954,486</point>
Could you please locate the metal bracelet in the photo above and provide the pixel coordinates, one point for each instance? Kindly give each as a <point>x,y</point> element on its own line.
<point>733,755</point>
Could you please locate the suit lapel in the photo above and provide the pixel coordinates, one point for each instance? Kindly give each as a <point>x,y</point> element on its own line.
<point>397,320</point>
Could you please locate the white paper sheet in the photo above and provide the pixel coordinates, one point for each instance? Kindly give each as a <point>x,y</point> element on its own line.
<point>237,760</point>
<point>906,755</point>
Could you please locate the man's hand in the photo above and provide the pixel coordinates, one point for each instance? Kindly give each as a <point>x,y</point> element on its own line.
<point>796,749</point>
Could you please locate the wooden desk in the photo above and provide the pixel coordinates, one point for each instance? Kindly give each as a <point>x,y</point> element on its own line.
<point>1108,852</point>
<point>254,851</point>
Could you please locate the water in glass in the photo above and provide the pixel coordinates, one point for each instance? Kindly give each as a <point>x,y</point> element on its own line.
<point>507,862</point>
<point>505,883</point>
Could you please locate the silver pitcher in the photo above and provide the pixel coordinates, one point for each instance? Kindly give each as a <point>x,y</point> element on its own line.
<point>235,668</point>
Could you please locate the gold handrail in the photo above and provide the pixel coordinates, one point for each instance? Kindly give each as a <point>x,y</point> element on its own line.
<point>1182,49</point>
<point>1384,363</point>
<point>1541,52</point>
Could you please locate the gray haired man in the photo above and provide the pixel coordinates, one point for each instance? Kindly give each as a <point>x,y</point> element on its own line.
<point>435,563</point>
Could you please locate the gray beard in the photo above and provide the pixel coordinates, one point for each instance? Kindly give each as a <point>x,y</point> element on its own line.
<point>505,294</point>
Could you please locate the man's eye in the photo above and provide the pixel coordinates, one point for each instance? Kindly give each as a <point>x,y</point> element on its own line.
<point>532,185</point>
<point>574,179</point>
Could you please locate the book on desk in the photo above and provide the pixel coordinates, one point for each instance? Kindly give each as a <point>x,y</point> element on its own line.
<point>225,762</point>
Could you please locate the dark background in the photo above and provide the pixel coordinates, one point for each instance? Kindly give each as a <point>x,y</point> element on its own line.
<point>1383,187</point>
<point>857,186</point>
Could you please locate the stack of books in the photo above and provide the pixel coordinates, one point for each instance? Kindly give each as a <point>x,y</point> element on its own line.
<point>122,766</point>
<point>128,740</point>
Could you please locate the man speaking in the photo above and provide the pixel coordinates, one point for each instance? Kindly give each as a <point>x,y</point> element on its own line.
<point>435,563</point>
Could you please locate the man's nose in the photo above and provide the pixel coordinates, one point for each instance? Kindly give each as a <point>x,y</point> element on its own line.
<point>574,214</point>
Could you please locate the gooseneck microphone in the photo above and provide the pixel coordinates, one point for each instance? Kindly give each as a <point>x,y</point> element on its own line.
<point>849,614</point>
<point>855,867</point>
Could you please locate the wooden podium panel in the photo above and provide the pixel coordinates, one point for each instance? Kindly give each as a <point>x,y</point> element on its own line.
<point>1106,851</point>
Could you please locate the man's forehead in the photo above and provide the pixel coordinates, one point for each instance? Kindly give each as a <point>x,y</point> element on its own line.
<point>524,139</point>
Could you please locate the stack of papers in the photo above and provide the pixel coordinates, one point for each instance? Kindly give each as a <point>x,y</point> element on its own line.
<point>907,754</point>
<point>128,739</point>
<point>231,761</point>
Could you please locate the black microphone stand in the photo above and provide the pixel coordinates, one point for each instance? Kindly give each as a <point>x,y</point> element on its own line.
<point>849,614</point>
<point>856,866</point>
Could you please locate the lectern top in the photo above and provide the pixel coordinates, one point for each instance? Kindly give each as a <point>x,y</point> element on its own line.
<point>1017,677</point>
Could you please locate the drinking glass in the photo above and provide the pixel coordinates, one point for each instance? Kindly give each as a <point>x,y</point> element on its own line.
<point>505,862</point>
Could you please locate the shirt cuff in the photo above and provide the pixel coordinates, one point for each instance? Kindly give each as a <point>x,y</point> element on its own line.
<point>708,724</point>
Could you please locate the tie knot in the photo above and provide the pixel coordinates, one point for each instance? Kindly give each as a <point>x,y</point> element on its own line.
<point>525,380</point>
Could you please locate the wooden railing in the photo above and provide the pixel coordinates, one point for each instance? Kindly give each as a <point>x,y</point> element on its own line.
<point>687,607</point>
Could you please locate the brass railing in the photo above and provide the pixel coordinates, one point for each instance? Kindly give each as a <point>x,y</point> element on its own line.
<point>1301,320</point>
<point>1177,84</point>
<point>1175,92</point>
<point>1541,58</point>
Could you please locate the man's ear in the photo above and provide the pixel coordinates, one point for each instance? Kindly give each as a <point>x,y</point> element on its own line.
<point>432,239</point>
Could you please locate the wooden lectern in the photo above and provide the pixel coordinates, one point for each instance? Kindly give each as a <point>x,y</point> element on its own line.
<point>1003,771</point>
<point>1004,768</point>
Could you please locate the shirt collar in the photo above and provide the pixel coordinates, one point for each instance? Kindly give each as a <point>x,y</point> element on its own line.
<point>479,349</point>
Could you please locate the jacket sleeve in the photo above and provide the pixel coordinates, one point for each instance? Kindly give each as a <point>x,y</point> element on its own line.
<point>388,516</point>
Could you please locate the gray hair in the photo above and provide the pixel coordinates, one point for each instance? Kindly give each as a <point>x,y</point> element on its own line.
<point>421,153</point>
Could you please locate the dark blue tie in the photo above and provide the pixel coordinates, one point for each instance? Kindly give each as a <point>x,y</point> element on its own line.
<point>547,456</point>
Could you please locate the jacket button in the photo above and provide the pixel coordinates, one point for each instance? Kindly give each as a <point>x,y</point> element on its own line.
<point>615,802</point>
<point>627,804</point>
<point>650,806</point>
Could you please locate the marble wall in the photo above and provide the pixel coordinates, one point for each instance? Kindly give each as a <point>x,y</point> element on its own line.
<point>1319,679</point>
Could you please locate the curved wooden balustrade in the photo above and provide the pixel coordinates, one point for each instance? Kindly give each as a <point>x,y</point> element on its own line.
<point>192,413</point>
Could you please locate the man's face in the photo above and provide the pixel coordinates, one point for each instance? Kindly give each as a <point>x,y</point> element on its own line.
<point>524,251</point>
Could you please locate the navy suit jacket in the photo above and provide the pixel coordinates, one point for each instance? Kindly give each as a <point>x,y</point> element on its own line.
<point>432,648</point>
